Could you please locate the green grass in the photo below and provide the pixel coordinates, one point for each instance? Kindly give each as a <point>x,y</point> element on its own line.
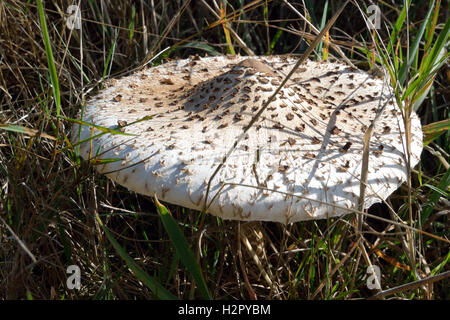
<point>50,60</point>
<point>56,211</point>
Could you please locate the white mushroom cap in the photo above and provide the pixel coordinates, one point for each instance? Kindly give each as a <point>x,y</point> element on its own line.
<point>307,143</point>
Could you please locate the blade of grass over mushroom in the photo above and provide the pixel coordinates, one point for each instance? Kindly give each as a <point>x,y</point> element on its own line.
<point>96,161</point>
<point>271,98</point>
<point>108,130</point>
<point>364,173</point>
<point>104,131</point>
<point>100,128</point>
<point>182,248</point>
<point>148,280</point>
<point>365,165</point>
<point>50,60</point>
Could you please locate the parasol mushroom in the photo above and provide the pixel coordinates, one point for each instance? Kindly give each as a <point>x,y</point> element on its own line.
<point>300,160</point>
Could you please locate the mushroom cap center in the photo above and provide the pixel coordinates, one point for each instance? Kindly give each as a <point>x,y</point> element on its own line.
<point>243,88</point>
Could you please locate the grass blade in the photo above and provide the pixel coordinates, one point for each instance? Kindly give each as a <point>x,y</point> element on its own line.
<point>434,197</point>
<point>413,53</point>
<point>201,46</point>
<point>106,130</point>
<point>26,131</point>
<point>50,60</point>
<point>434,130</point>
<point>148,280</point>
<point>223,14</point>
<point>182,248</point>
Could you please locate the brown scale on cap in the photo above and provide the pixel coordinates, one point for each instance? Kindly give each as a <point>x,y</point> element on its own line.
<point>300,128</point>
<point>206,100</point>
